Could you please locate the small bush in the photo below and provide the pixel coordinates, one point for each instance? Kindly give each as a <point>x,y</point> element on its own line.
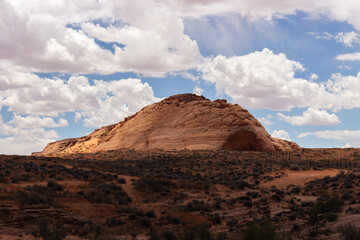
<point>112,222</point>
<point>3,179</point>
<point>132,216</point>
<point>52,229</point>
<point>231,223</point>
<point>276,197</point>
<point>19,178</point>
<point>329,203</point>
<point>247,203</point>
<point>296,190</point>
<point>216,219</point>
<point>145,222</point>
<point>203,232</point>
<point>259,232</point>
<point>196,205</point>
<point>5,213</point>
<point>54,186</point>
<point>36,195</point>
<point>331,217</point>
<point>151,183</point>
<point>173,220</point>
<point>109,193</point>
<point>349,232</point>
<point>168,235</point>
<point>294,167</point>
<point>121,180</point>
<point>150,214</point>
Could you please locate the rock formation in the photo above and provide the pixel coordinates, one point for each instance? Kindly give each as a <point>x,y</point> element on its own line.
<point>183,121</point>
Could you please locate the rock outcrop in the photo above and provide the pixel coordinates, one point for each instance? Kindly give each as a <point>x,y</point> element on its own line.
<point>184,121</point>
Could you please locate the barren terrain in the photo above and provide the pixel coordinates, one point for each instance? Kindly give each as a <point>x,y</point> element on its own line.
<point>129,194</point>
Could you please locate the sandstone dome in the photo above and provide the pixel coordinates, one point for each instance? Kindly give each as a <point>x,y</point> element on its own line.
<point>183,121</point>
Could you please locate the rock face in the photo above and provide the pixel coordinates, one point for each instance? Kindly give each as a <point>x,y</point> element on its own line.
<point>183,121</point>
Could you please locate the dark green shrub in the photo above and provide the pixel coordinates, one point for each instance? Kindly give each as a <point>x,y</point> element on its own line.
<point>216,219</point>
<point>349,232</point>
<point>168,235</point>
<point>109,193</point>
<point>151,183</point>
<point>54,185</point>
<point>247,203</point>
<point>346,196</point>
<point>5,213</point>
<point>52,229</point>
<point>232,222</point>
<point>19,178</point>
<point>121,180</point>
<point>173,220</point>
<point>132,216</point>
<point>221,236</point>
<point>296,190</point>
<point>150,214</point>
<point>329,203</point>
<point>3,179</point>
<point>196,205</point>
<point>203,232</point>
<point>331,217</point>
<point>276,197</point>
<point>145,222</point>
<point>37,195</point>
<point>187,234</point>
<point>294,167</point>
<point>259,232</point>
<point>112,222</point>
<point>313,219</point>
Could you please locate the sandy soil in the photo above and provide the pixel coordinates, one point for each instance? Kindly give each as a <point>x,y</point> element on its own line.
<point>22,237</point>
<point>299,178</point>
<point>89,210</point>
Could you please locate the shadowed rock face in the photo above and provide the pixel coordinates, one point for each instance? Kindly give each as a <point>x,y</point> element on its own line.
<point>244,141</point>
<point>183,121</point>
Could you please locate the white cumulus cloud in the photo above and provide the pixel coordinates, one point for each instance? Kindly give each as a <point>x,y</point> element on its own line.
<point>347,145</point>
<point>265,80</point>
<point>266,120</point>
<point>346,38</point>
<point>311,116</point>
<point>348,57</point>
<point>344,67</point>
<point>198,91</point>
<point>61,37</point>
<point>282,134</point>
<point>350,137</point>
<point>24,140</point>
<point>101,103</point>
<point>31,121</point>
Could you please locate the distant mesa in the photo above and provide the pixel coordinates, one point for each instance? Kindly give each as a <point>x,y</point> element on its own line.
<point>183,121</point>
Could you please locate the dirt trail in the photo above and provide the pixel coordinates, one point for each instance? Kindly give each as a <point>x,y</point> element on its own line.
<point>299,178</point>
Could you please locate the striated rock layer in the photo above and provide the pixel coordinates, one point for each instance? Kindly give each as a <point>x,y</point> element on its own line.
<point>183,121</point>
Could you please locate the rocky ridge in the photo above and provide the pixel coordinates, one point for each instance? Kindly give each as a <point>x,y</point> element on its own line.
<point>183,121</point>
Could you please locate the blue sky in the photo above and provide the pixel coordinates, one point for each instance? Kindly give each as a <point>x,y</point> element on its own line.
<point>68,68</point>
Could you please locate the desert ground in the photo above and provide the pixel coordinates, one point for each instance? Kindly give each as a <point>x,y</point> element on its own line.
<point>156,194</point>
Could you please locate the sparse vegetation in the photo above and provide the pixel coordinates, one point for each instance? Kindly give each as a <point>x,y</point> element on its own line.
<point>260,232</point>
<point>175,195</point>
<point>349,231</point>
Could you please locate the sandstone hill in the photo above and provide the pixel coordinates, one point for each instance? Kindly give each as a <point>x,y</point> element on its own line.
<point>184,121</point>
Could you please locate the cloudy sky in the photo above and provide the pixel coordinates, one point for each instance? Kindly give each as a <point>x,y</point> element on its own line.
<point>68,67</point>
